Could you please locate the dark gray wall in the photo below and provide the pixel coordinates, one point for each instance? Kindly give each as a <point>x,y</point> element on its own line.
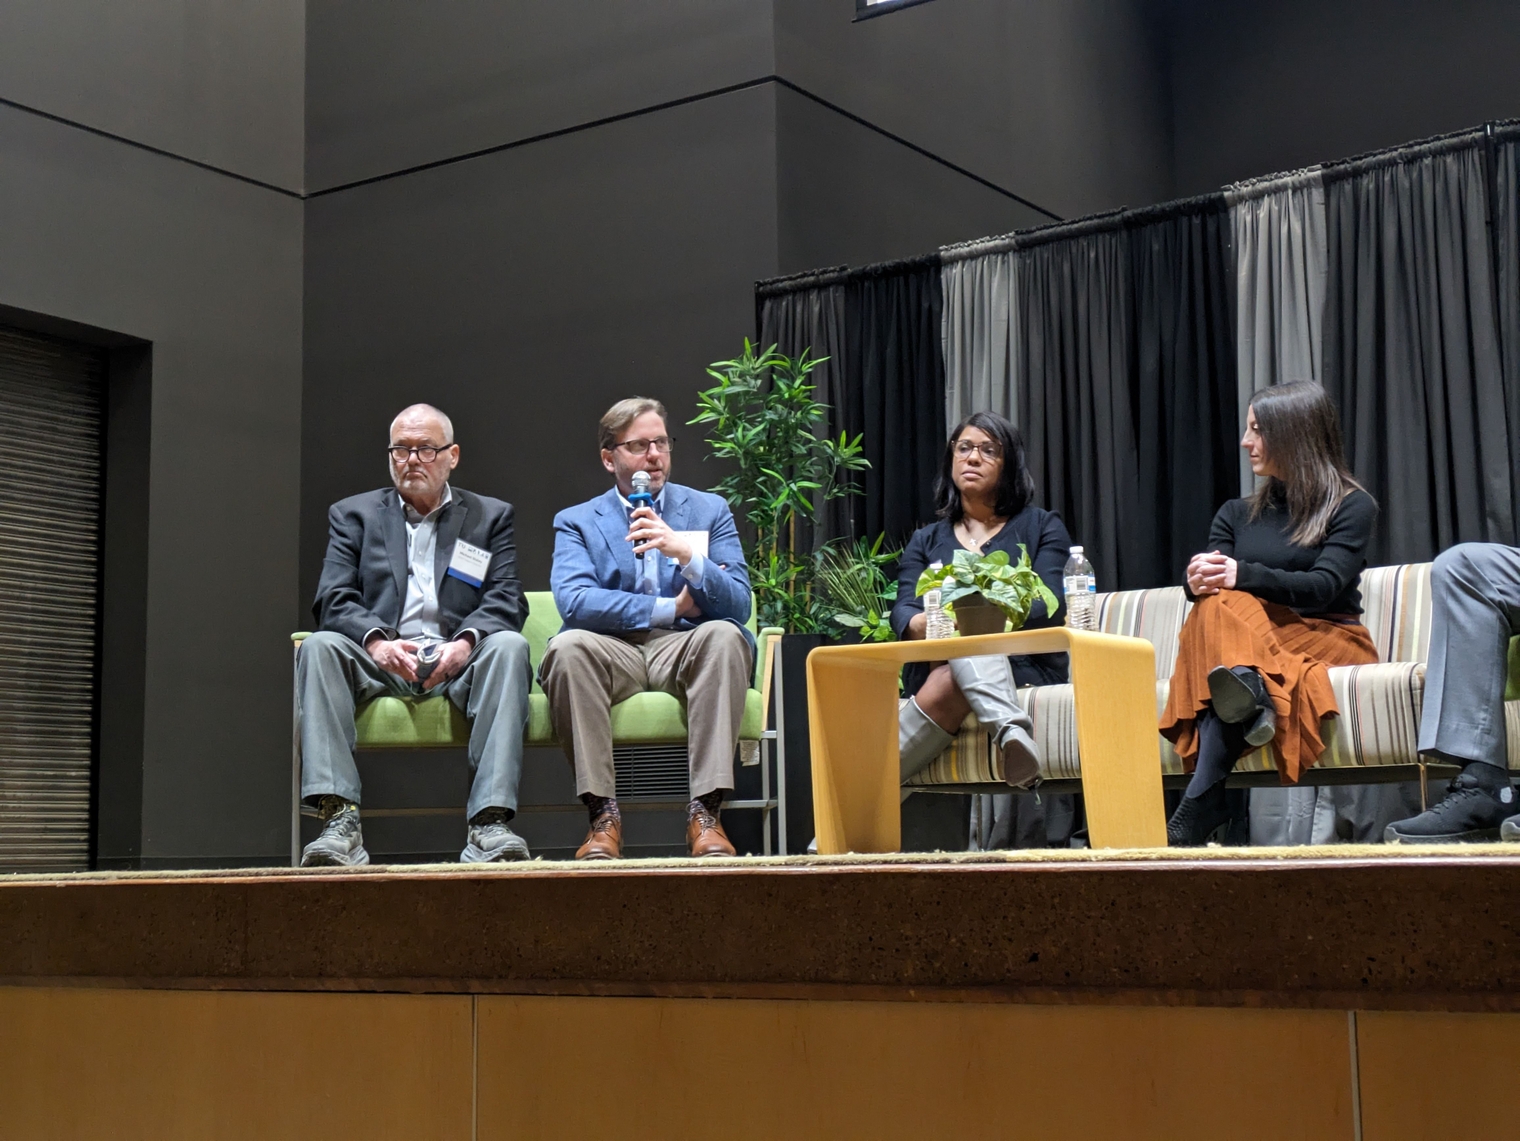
<point>207,268</point>
<point>393,83</point>
<point>527,290</point>
<point>218,81</point>
<point>1061,103</point>
<point>1259,88</point>
<point>847,195</point>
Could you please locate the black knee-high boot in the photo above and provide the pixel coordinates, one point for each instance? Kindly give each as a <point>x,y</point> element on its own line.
<point>1203,807</point>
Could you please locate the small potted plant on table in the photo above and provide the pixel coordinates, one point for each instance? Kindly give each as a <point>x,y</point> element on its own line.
<point>989,594</point>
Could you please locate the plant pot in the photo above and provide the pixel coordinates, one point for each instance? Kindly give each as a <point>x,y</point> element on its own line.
<point>975,615</point>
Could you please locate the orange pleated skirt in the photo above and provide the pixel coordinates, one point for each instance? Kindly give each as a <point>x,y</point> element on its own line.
<point>1292,653</point>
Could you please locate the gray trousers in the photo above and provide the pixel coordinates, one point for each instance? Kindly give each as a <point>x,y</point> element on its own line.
<point>334,675</point>
<point>585,674</point>
<point>1475,610</point>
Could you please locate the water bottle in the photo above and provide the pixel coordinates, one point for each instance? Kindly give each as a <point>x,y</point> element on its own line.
<point>1081,592</point>
<point>937,623</point>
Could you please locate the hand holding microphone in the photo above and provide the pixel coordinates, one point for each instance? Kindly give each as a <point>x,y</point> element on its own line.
<point>647,531</point>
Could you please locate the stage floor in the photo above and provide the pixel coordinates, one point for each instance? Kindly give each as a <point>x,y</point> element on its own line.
<point>1372,927</point>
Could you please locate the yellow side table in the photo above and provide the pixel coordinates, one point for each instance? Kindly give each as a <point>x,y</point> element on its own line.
<point>852,718</point>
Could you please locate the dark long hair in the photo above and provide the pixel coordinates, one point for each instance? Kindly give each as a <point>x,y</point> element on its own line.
<point>1301,432</point>
<point>1015,487</point>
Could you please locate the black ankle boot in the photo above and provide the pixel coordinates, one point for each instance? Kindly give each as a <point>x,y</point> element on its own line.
<point>1238,694</point>
<point>1197,818</point>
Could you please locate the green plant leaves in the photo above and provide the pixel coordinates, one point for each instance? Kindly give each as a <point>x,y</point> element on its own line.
<point>761,417</point>
<point>1012,587</point>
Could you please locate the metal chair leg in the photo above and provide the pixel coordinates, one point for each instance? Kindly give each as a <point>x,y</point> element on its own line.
<point>780,754</point>
<point>295,765</point>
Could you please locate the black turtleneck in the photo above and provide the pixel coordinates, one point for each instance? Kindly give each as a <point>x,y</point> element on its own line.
<point>1316,580</point>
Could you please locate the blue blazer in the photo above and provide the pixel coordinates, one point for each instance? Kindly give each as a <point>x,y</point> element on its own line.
<point>596,574</point>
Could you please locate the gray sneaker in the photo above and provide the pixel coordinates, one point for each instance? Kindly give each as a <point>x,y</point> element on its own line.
<point>341,844</point>
<point>492,842</point>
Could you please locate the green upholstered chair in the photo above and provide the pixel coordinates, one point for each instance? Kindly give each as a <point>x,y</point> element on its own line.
<point>648,718</point>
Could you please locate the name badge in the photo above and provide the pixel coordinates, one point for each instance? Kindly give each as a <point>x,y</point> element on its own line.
<point>469,563</point>
<point>698,541</point>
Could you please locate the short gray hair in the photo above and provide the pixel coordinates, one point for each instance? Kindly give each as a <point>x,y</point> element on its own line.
<point>623,413</point>
<point>443,418</point>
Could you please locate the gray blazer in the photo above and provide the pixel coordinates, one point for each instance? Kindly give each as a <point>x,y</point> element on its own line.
<point>363,584</point>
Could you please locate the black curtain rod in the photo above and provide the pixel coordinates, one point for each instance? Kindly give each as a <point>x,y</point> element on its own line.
<point>1408,152</point>
<point>1092,224</point>
<point>1498,130</point>
<point>838,275</point>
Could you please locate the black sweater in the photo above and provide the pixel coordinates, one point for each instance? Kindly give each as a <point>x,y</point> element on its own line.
<point>1049,546</point>
<point>1314,581</point>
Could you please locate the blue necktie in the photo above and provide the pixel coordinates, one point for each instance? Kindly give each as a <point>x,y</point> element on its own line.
<point>653,578</point>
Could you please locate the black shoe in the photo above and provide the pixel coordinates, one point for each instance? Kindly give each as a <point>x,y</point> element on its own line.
<point>1263,729</point>
<point>341,844</point>
<point>1238,694</point>
<point>1468,812</point>
<point>1197,819</point>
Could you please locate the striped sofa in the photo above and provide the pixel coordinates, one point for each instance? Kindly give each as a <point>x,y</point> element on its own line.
<point>1373,739</point>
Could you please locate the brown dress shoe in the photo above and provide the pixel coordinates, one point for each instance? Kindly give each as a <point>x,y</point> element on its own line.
<point>604,841</point>
<point>705,836</point>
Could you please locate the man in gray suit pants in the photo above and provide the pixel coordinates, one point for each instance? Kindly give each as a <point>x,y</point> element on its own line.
<point>1475,610</point>
<point>419,594</point>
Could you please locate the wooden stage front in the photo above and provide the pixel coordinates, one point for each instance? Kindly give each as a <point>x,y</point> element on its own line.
<point>1320,993</point>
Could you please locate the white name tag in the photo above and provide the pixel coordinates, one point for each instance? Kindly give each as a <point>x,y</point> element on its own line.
<point>697,540</point>
<point>469,563</point>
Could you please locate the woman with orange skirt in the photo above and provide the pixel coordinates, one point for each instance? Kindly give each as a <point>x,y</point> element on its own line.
<point>1276,605</point>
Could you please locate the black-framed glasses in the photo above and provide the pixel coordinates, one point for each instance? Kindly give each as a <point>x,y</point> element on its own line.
<point>990,451</point>
<point>427,453</point>
<point>640,447</point>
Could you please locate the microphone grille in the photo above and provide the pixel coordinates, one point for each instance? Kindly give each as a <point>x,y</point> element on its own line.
<point>641,481</point>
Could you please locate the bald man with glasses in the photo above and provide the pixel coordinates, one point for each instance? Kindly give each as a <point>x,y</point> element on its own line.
<point>419,595</point>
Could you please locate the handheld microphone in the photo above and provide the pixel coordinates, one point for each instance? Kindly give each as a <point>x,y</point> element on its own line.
<point>639,494</point>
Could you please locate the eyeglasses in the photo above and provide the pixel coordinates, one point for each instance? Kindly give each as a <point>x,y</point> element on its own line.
<point>639,447</point>
<point>427,453</point>
<point>990,451</point>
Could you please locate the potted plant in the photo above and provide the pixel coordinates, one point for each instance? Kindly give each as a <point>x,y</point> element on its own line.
<point>989,593</point>
<point>852,587</point>
<point>762,418</point>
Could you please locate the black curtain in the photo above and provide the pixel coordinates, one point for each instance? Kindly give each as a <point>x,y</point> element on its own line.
<point>894,393</point>
<point>809,313</point>
<point>1186,414</point>
<point>1412,352</point>
<point>1505,225</point>
<point>1075,400</point>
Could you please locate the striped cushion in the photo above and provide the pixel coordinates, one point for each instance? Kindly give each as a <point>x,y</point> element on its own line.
<point>1396,611</point>
<point>1155,615</point>
<point>1380,704</point>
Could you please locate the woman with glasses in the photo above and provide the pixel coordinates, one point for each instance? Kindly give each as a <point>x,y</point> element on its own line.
<point>1276,602</point>
<point>984,497</point>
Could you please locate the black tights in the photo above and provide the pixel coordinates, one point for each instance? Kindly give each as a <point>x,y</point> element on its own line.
<point>1220,744</point>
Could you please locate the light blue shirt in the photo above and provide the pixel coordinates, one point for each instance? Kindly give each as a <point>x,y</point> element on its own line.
<point>664,614</point>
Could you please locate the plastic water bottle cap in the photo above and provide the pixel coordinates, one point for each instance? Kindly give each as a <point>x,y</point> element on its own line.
<point>1076,550</point>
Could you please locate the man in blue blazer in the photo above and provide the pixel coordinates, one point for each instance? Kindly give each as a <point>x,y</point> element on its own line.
<point>653,596</point>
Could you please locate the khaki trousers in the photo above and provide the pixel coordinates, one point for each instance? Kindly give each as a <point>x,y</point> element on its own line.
<point>585,674</point>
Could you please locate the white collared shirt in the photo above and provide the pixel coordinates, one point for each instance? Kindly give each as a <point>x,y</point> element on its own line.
<point>419,614</point>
